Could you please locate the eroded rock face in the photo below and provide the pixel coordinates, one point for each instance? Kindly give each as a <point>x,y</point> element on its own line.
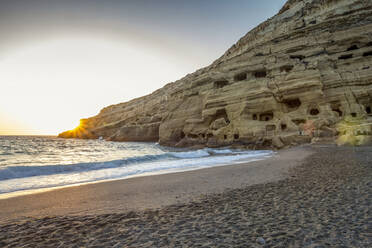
<point>293,77</point>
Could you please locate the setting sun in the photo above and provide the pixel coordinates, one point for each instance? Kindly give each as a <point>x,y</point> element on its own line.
<point>49,86</point>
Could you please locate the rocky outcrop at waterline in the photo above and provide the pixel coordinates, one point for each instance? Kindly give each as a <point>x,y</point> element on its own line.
<point>292,78</point>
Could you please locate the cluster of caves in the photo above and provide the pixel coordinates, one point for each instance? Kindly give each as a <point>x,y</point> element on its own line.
<point>353,48</point>
<point>220,114</point>
<point>207,136</point>
<point>289,104</point>
<point>262,73</point>
<point>349,53</point>
<point>240,77</point>
<point>257,74</point>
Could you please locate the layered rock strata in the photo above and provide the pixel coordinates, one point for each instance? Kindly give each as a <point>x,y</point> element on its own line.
<point>293,77</point>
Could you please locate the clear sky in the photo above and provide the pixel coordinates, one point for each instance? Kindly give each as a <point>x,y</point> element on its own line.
<point>63,60</point>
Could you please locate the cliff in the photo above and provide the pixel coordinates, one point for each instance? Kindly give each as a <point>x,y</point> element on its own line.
<point>292,78</point>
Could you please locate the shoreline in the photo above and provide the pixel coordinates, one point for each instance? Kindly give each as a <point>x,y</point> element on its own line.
<point>170,188</point>
<point>19,193</point>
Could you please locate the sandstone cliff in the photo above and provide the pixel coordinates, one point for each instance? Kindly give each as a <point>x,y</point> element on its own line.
<point>293,77</point>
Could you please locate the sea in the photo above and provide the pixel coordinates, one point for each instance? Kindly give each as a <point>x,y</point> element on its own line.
<point>29,163</point>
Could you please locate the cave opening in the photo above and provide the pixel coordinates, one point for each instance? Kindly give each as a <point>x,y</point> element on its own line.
<point>367,54</point>
<point>292,104</point>
<point>192,136</point>
<point>300,57</point>
<point>260,74</point>
<point>353,47</point>
<point>220,84</point>
<point>268,116</point>
<point>236,136</point>
<point>182,135</point>
<point>368,110</point>
<point>220,113</point>
<point>283,126</point>
<point>335,106</point>
<point>299,121</point>
<point>346,56</point>
<point>225,137</point>
<point>254,117</point>
<point>286,68</point>
<point>240,77</point>
<point>337,110</point>
<point>353,114</point>
<point>314,111</point>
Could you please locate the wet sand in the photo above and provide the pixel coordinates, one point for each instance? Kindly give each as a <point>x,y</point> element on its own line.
<point>308,196</point>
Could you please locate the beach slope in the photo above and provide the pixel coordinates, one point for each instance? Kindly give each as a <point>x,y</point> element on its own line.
<point>312,196</point>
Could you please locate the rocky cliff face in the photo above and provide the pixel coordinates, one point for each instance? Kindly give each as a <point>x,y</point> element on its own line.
<point>293,77</point>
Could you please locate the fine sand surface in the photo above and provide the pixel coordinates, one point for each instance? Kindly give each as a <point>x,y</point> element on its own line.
<point>324,201</point>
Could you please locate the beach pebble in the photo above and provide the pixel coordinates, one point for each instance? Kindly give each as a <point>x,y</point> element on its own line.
<point>261,241</point>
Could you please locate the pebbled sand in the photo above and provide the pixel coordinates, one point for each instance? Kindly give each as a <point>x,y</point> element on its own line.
<point>324,201</point>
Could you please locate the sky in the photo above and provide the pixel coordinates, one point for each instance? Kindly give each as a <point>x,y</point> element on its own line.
<point>63,60</point>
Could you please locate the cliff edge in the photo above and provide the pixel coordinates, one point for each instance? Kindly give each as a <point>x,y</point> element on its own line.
<point>291,79</point>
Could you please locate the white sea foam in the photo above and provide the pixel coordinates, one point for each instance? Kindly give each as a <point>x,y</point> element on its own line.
<point>191,154</point>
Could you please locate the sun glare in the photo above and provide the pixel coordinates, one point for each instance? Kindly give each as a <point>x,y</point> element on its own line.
<point>50,86</point>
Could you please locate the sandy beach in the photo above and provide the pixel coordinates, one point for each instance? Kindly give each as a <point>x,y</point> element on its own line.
<point>309,196</point>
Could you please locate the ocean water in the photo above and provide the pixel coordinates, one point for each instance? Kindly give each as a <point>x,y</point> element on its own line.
<point>37,162</point>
